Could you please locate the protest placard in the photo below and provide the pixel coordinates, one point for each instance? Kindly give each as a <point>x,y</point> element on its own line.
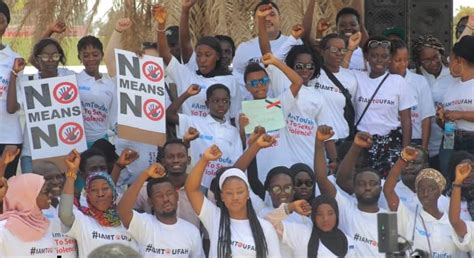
<point>263,112</point>
<point>53,117</point>
<point>141,98</point>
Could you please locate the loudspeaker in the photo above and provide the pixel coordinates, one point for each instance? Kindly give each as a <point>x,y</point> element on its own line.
<point>433,17</point>
<point>382,14</point>
<point>387,232</point>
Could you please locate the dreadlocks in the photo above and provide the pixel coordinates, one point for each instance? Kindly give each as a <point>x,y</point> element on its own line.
<point>430,42</point>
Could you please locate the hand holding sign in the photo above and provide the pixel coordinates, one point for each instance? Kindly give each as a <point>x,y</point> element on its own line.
<point>123,24</point>
<point>297,31</point>
<point>156,171</point>
<point>324,133</point>
<point>243,120</point>
<point>19,65</point>
<point>160,14</point>
<point>9,154</point>
<point>193,90</point>
<point>72,161</point>
<point>127,157</point>
<point>212,153</point>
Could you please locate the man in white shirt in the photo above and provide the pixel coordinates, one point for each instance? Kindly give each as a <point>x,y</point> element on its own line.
<point>162,234</point>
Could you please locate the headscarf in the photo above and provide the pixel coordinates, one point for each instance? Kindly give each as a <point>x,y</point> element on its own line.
<point>25,219</point>
<point>301,167</point>
<point>430,42</point>
<point>334,240</point>
<point>431,173</point>
<point>110,217</point>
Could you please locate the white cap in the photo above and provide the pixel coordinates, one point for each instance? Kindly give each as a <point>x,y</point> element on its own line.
<point>233,172</point>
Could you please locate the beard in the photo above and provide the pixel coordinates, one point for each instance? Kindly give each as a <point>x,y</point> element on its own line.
<point>369,200</point>
<point>168,214</point>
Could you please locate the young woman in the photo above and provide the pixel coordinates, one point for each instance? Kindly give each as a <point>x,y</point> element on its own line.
<point>95,225</point>
<point>305,182</point>
<point>424,111</point>
<point>10,129</point>
<point>432,228</point>
<point>24,230</point>
<point>233,226</point>
<point>383,106</point>
<point>210,70</point>
<point>321,239</point>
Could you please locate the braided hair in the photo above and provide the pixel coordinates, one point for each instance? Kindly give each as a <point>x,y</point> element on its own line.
<point>430,42</point>
<point>224,236</point>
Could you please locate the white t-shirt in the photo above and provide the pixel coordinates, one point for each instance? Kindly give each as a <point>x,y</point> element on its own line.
<point>224,135</point>
<point>65,246</point>
<point>11,246</point>
<point>10,128</point>
<point>438,87</point>
<point>424,108</point>
<point>460,97</point>
<point>242,242</point>
<point>467,243</point>
<point>392,97</point>
<point>26,142</point>
<point>99,104</point>
<point>297,235</point>
<point>156,239</point>
<point>89,234</point>
<point>357,60</point>
<point>195,105</point>
<point>360,226</point>
<point>428,232</point>
<point>335,99</point>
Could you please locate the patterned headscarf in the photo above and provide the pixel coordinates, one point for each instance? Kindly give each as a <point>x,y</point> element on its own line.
<point>110,217</point>
<point>433,174</point>
<point>430,42</point>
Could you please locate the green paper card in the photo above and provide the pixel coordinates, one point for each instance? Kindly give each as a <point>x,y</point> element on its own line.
<point>263,112</point>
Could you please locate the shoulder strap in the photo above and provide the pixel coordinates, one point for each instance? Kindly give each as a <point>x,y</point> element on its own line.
<point>339,85</point>
<point>371,98</point>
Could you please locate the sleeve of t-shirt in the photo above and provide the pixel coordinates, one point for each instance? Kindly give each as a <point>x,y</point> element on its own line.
<point>209,215</point>
<point>76,229</point>
<point>294,234</point>
<point>282,52</point>
<point>138,225</point>
<point>180,74</point>
<point>273,244</point>
<point>466,243</point>
<point>278,80</point>
<point>407,100</point>
<point>427,108</point>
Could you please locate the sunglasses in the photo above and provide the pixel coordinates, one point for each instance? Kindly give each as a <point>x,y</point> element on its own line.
<point>278,189</point>
<point>301,66</point>
<point>308,184</point>
<point>255,83</point>
<point>377,43</point>
<point>45,57</point>
<point>336,50</point>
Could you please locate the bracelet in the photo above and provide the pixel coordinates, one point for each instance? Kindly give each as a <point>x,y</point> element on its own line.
<point>456,185</point>
<point>14,73</point>
<point>120,166</point>
<point>71,175</point>
<point>118,30</point>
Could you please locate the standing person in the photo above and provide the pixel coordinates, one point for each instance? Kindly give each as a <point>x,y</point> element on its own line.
<point>458,102</point>
<point>321,239</point>
<point>462,233</point>
<point>383,106</point>
<point>163,230</point>
<point>47,54</point>
<point>95,225</point>
<point>97,91</point>
<point>424,111</point>
<point>429,56</point>
<point>10,128</point>
<point>210,70</point>
<point>233,226</point>
<point>428,227</point>
<point>24,230</point>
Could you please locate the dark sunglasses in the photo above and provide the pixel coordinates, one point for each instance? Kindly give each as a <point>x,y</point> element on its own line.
<point>308,184</point>
<point>377,43</point>
<point>301,66</point>
<point>255,83</point>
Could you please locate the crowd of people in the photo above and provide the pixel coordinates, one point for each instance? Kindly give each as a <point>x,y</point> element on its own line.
<point>372,126</point>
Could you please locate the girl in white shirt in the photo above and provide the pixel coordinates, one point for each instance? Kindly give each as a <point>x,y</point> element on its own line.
<point>233,226</point>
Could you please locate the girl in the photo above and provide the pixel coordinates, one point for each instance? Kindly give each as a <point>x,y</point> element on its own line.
<point>95,225</point>
<point>383,106</point>
<point>305,188</point>
<point>10,129</point>
<point>234,228</point>
<point>321,239</point>
<point>424,111</point>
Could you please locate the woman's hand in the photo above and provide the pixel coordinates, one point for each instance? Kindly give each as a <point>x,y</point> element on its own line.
<point>72,161</point>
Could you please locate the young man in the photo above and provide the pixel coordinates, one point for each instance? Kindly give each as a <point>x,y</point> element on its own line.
<point>163,233</point>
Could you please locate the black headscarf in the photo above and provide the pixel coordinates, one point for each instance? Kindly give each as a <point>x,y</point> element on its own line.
<point>335,240</point>
<point>301,167</point>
